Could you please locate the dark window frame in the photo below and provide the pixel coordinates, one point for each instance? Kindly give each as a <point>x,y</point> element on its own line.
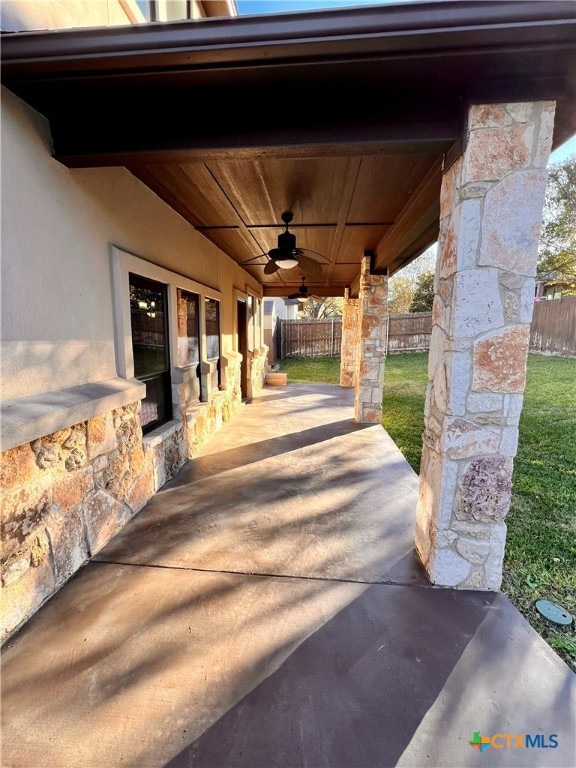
<point>164,376</point>
<point>217,303</point>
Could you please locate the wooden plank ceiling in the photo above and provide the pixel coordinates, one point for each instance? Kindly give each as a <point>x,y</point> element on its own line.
<point>342,206</point>
<point>343,117</point>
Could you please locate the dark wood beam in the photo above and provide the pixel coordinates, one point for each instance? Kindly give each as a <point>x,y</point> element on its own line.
<point>416,227</point>
<point>76,146</point>
<point>314,289</point>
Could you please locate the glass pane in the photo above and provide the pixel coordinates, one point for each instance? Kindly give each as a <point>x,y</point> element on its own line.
<point>212,329</point>
<point>250,313</point>
<point>188,329</point>
<point>154,405</point>
<point>147,312</point>
<point>144,6</point>
<point>257,336</point>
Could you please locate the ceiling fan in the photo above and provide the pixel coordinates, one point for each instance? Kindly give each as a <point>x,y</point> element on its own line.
<point>287,255</point>
<point>301,294</point>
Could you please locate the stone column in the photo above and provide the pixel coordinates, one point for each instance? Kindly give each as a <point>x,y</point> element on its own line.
<point>371,347</point>
<point>349,341</point>
<point>491,212</point>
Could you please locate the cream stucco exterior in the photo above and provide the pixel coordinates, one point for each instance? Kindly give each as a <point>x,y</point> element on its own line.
<point>54,14</point>
<point>58,228</point>
<point>75,466</point>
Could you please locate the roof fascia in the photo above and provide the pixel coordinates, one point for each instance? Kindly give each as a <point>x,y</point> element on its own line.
<point>392,31</point>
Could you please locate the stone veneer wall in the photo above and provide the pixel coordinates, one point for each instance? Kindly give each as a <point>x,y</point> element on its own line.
<point>62,498</point>
<point>371,347</point>
<point>350,334</point>
<point>202,420</point>
<point>65,495</point>
<point>491,209</point>
<point>258,368</point>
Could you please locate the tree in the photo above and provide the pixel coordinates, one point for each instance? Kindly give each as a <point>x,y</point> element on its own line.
<point>557,248</point>
<point>424,293</point>
<point>401,293</point>
<point>321,308</point>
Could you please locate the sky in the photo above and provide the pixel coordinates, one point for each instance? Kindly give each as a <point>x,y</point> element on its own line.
<point>249,7</point>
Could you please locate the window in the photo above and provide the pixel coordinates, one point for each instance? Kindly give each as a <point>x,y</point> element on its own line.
<point>257,331</point>
<point>148,316</point>
<point>188,308</point>
<point>188,329</point>
<point>167,10</point>
<point>250,313</point>
<point>212,308</point>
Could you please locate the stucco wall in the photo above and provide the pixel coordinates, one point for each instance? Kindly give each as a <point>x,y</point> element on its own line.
<point>58,226</point>
<point>66,238</point>
<point>19,15</point>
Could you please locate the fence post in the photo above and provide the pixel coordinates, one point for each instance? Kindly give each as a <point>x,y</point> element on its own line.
<point>387,332</point>
<point>332,340</point>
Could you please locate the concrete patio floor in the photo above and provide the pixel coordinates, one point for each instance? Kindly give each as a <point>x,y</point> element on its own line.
<point>266,610</point>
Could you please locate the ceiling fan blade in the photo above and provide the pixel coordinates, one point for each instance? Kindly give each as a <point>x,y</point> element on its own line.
<point>270,268</point>
<point>309,265</point>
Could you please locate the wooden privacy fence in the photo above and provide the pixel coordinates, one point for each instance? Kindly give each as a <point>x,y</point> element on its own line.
<point>310,338</point>
<point>553,329</point>
<point>313,338</point>
<point>553,332</point>
<point>409,332</point>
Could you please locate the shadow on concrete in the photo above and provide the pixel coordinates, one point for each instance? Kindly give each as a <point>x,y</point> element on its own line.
<point>355,692</point>
<point>213,463</point>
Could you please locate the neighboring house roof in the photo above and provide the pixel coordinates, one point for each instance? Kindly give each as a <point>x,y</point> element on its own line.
<point>345,117</point>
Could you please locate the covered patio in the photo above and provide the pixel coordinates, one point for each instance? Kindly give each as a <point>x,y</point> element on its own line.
<point>266,608</point>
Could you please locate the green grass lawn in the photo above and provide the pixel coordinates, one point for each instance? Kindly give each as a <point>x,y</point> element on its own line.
<point>320,370</point>
<point>541,545</point>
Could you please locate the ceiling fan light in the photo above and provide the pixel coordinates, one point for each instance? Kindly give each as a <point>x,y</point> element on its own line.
<point>286,262</point>
<point>302,299</point>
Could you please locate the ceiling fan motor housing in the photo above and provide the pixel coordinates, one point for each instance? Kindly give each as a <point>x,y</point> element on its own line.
<point>287,241</point>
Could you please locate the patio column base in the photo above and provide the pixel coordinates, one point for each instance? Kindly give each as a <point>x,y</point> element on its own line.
<point>491,212</point>
<point>371,346</point>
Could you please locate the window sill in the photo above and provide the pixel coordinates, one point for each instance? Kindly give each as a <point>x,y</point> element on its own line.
<point>161,433</point>
<point>30,418</point>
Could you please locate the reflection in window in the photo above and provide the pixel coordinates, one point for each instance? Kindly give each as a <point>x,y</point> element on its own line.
<point>257,332</point>
<point>212,329</point>
<point>148,309</point>
<point>188,329</point>
<point>250,313</point>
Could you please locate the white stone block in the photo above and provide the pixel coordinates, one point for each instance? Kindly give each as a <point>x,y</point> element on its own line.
<point>448,568</point>
<point>545,135</point>
<point>445,538</point>
<point>460,371</point>
<point>436,353</point>
<point>495,560</point>
<point>473,550</point>
<point>475,189</point>
<point>511,222</point>
<point>463,439</point>
<point>447,492</point>
<point>484,403</point>
<point>526,306</point>
<point>477,303</point>
<point>521,111</point>
<point>513,406</point>
<point>509,441</point>
<point>469,233</point>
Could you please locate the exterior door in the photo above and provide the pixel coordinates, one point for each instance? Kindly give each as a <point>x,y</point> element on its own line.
<point>243,346</point>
